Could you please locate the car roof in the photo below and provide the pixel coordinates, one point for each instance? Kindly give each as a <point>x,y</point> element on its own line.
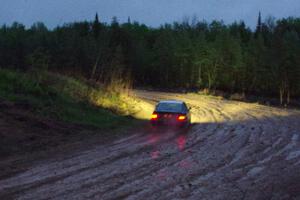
<point>171,101</point>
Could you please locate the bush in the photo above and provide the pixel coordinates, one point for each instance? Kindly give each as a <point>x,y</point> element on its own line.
<point>65,98</point>
<point>238,97</point>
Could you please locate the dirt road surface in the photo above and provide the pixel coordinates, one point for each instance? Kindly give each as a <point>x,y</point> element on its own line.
<point>233,151</point>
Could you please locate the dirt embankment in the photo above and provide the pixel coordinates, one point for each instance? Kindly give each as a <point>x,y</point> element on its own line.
<point>233,151</point>
<point>23,132</point>
<point>26,137</point>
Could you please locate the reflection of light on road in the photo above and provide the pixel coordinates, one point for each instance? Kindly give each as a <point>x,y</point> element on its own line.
<point>185,164</point>
<point>181,140</point>
<point>153,138</point>
<point>162,174</point>
<point>155,154</point>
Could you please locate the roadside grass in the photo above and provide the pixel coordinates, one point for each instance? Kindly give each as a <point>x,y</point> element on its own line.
<point>68,99</point>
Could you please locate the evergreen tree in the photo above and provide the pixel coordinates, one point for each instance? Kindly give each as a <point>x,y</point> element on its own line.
<point>96,26</point>
<point>258,29</point>
<point>128,20</point>
<point>215,56</point>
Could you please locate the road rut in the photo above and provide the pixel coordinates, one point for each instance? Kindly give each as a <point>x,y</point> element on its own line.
<point>233,150</point>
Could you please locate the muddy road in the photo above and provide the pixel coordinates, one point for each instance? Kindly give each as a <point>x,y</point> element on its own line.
<point>233,151</point>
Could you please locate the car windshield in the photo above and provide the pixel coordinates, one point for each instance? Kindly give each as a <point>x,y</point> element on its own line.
<point>169,107</point>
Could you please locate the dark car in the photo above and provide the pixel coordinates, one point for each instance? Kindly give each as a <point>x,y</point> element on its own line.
<point>171,112</point>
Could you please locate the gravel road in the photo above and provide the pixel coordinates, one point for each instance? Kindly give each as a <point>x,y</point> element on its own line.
<point>232,151</point>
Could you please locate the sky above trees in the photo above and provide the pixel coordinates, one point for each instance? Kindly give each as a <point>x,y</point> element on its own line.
<point>152,13</point>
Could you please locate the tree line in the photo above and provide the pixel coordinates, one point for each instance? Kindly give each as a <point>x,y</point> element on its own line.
<point>191,54</point>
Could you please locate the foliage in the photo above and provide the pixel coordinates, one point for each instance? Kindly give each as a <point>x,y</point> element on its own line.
<point>190,55</point>
<point>64,98</point>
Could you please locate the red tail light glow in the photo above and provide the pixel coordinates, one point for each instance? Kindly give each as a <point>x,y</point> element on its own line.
<point>181,117</point>
<point>154,116</point>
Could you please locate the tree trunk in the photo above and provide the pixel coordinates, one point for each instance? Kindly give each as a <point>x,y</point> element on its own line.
<point>95,68</point>
<point>209,81</point>
<point>199,81</point>
<point>288,97</point>
<point>281,92</point>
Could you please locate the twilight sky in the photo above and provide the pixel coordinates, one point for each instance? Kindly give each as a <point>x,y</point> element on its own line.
<point>150,12</point>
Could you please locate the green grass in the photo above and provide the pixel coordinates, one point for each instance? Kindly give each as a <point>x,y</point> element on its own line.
<point>64,98</point>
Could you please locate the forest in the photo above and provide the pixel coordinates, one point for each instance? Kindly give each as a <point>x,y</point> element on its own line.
<point>190,55</point>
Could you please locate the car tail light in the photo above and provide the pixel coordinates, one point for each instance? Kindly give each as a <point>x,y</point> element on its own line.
<point>154,116</point>
<point>181,117</point>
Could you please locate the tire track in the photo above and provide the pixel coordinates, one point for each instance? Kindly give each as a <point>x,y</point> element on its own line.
<point>234,150</point>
